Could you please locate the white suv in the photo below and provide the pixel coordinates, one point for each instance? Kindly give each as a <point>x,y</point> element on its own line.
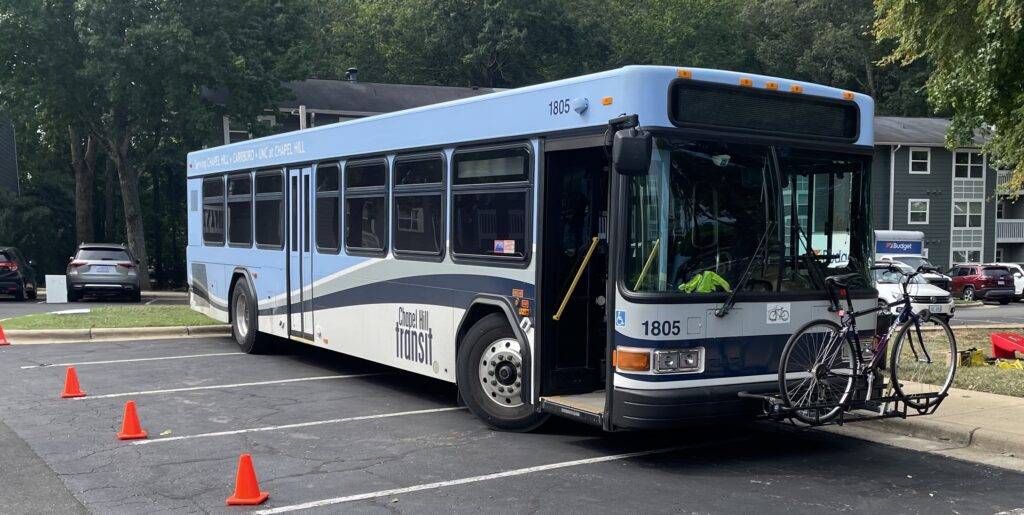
<point>1018,279</point>
<point>923,295</point>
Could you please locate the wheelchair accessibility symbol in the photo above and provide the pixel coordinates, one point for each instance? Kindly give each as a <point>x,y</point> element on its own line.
<point>620,318</point>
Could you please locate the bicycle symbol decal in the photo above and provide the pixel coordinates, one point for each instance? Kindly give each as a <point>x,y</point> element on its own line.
<point>778,313</point>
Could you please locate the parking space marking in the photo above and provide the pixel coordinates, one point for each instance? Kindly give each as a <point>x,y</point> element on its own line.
<point>223,386</point>
<point>463,481</point>
<point>107,362</point>
<point>297,425</point>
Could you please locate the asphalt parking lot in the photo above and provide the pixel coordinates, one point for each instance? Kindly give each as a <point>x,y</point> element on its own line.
<point>333,434</point>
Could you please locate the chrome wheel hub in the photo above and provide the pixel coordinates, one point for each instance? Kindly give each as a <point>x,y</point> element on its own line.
<point>242,316</point>
<point>501,372</point>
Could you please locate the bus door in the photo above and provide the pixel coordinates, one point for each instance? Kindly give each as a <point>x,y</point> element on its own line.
<point>300,274</point>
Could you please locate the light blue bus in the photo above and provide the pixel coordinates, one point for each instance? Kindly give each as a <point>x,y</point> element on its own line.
<point>629,249</point>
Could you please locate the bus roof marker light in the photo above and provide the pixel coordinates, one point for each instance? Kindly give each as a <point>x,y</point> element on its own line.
<point>796,88</point>
<point>683,73</point>
<point>772,85</point>
<point>606,101</point>
<point>746,82</point>
<point>848,95</point>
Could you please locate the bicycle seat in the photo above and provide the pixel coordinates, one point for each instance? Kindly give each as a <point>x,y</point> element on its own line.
<point>840,280</point>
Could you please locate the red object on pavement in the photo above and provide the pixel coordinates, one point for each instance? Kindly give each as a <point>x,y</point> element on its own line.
<point>247,490</point>
<point>71,388</point>
<point>130,428</point>
<point>1004,345</point>
<point>3,339</point>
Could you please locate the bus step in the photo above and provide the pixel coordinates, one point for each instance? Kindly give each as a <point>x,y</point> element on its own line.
<point>585,407</point>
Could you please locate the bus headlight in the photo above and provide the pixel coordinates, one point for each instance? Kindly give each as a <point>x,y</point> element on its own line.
<point>677,360</point>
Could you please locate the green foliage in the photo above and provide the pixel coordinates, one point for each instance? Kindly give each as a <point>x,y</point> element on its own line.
<point>977,51</point>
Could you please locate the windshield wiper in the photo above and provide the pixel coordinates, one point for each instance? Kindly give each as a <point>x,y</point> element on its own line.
<point>762,245</point>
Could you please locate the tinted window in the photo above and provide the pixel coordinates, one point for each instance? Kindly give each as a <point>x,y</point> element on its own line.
<point>490,224</point>
<point>419,223</point>
<point>4,258</point>
<point>240,210</point>
<point>213,211</point>
<point>327,208</point>
<point>419,171</point>
<point>269,210</point>
<point>996,272</point>
<point>492,166</point>
<point>102,255</point>
<point>366,220</point>
<point>365,175</point>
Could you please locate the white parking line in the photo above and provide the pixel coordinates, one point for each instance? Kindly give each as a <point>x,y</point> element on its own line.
<point>188,356</point>
<point>222,386</point>
<point>463,481</point>
<point>150,301</point>
<point>297,425</point>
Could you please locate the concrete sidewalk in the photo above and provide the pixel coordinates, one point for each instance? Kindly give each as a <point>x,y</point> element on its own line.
<point>985,421</point>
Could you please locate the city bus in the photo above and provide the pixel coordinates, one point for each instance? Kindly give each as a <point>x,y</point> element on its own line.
<point>630,249</point>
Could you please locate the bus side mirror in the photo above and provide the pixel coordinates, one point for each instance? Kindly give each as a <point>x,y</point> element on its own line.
<point>631,152</point>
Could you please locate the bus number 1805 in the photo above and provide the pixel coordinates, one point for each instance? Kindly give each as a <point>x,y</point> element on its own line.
<point>662,328</point>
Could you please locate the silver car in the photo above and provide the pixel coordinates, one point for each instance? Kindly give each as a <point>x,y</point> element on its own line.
<point>103,269</point>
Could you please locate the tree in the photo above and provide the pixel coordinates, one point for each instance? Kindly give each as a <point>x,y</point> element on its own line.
<point>976,49</point>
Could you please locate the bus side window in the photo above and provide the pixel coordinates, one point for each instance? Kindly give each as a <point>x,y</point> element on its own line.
<point>240,210</point>
<point>418,226</point>
<point>327,215</point>
<point>491,203</point>
<point>366,214</point>
<point>213,211</point>
<point>270,210</point>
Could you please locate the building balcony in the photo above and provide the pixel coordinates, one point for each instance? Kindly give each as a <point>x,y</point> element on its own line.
<point>1010,231</point>
<point>1003,177</point>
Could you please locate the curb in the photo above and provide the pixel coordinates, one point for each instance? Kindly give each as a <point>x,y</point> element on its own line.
<point>979,438</point>
<point>29,337</point>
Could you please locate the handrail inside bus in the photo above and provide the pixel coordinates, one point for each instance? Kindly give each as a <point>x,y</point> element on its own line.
<point>576,280</point>
<point>647,265</point>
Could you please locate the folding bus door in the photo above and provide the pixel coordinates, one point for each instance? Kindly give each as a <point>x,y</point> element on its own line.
<point>300,273</point>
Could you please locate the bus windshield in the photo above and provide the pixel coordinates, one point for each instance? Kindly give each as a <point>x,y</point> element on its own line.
<point>713,216</point>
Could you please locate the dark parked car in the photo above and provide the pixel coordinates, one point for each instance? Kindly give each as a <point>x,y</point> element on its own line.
<point>103,269</point>
<point>17,274</point>
<point>982,282</point>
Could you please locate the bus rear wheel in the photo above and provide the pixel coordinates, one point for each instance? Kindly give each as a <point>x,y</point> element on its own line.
<point>490,376</point>
<point>244,323</point>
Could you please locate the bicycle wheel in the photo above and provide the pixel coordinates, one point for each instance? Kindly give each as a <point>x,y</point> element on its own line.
<point>816,372</point>
<point>923,362</point>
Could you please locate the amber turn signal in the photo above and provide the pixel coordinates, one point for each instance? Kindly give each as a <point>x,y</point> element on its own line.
<point>632,360</point>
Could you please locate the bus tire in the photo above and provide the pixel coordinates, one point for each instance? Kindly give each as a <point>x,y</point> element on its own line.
<point>244,324</point>
<point>488,353</point>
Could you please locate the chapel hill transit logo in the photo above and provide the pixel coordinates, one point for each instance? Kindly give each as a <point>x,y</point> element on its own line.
<point>414,340</point>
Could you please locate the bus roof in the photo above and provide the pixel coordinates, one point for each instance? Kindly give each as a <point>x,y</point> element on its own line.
<point>521,112</point>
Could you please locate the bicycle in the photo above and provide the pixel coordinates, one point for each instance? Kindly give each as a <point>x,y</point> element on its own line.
<point>834,374</point>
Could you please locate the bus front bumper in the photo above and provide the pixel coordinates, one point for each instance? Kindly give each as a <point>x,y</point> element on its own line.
<point>660,409</point>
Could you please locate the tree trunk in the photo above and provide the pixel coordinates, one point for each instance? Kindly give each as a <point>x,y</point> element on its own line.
<point>109,204</point>
<point>128,177</point>
<point>83,162</point>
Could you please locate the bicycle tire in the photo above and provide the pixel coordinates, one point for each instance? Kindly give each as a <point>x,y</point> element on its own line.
<point>939,347</point>
<point>795,372</point>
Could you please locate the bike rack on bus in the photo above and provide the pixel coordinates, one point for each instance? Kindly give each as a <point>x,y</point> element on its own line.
<point>892,406</point>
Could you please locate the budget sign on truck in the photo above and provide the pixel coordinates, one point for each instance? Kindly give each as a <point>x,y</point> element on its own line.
<point>907,247</point>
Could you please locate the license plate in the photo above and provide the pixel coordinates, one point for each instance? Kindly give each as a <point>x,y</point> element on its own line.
<point>103,269</point>
<point>935,308</point>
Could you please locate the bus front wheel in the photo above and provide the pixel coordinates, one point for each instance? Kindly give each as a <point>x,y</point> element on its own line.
<point>490,376</point>
<point>244,324</point>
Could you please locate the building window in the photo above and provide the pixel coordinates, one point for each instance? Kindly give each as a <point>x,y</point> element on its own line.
<point>999,255</point>
<point>966,256</point>
<point>920,160</point>
<point>1000,210</point>
<point>269,200</point>
<point>419,205</point>
<point>967,214</point>
<point>213,211</point>
<point>240,210</point>
<point>968,164</point>
<point>917,211</point>
<point>327,213</point>
<point>366,212</point>
<point>490,203</point>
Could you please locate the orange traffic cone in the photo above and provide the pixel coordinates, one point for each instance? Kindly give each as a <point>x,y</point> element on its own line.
<point>247,490</point>
<point>130,428</point>
<point>3,339</point>
<point>71,388</point>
